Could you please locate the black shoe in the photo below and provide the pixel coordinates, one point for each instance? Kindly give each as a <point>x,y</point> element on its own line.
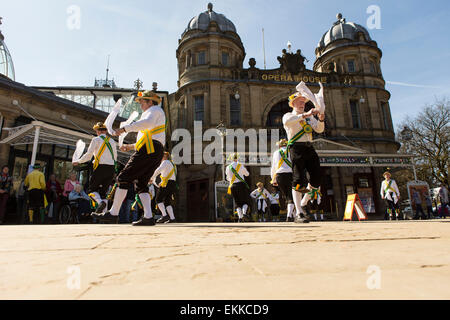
<point>106,218</point>
<point>163,219</point>
<point>171,221</point>
<point>144,222</point>
<point>101,207</point>
<point>302,220</point>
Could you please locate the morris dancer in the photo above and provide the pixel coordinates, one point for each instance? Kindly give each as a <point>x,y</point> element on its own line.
<point>390,194</point>
<point>299,126</point>
<point>167,188</point>
<point>235,173</point>
<point>282,176</point>
<point>261,195</point>
<point>275,205</point>
<point>148,154</point>
<point>104,151</point>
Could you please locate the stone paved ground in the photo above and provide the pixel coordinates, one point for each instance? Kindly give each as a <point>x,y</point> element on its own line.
<point>227,261</point>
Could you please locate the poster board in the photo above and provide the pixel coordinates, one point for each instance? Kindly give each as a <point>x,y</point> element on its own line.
<point>366,197</point>
<point>354,205</point>
<point>422,188</point>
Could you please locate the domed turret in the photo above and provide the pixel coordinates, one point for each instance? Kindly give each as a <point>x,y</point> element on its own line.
<point>6,63</point>
<point>347,48</point>
<point>204,19</point>
<point>342,29</point>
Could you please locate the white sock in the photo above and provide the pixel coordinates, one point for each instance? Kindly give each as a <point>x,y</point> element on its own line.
<point>97,198</point>
<point>315,216</point>
<point>290,210</point>
<point>146,203</point>
<point>170,212</point>
<point>297,201</point>
<point>106,207</point>
<point>119,196</point>
<point>239,211</point>
<point>321,217</point>
<point>244,209</point>
<point>162,208</point>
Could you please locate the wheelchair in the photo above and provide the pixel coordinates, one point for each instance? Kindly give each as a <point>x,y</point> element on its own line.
<point>68,214</point>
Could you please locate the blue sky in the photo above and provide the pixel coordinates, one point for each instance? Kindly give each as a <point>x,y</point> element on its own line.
<point>142,37</point>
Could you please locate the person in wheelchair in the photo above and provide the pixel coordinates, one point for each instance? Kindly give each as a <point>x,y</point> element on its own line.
<point>80,200</point>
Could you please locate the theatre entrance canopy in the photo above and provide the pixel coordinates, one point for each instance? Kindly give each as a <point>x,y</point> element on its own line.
<point>334,154</point>
<point>37,133</point>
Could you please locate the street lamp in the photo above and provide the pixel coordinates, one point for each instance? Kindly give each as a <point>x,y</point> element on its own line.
<point>222,131</point>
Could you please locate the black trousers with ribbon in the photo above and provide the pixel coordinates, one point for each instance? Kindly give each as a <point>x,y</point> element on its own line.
<point>101,179</point>
<point>304,157</point>
<point>141,167</point>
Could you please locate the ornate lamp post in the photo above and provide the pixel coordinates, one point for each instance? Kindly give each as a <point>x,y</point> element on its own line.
<point>222,131</point>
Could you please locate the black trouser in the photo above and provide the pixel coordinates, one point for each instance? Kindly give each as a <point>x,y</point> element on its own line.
<point>304,157</point>
<point>275,209</point>
<point>391,208</point>
<point>141,167</point>
<point>101,179</point>
<point>240,193</point>
<point>165,194</point>
<point>284,181</point>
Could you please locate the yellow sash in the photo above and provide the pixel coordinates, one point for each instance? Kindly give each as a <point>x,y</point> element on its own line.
<point>147,140</point>
<point>234,178</point>
<point>100,153</point>
<point>165,180</point>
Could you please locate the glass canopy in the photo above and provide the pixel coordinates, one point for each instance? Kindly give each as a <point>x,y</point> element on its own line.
<point>6,63</point>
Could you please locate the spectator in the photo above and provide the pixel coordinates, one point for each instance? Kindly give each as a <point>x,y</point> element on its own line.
<point>82,200</point>
<point>443,196</point>
<point>53,193</point>
<point>35,183</point>
<point>429,205</point>
<point>417,201</point>
<point>5,190</point>
<point>70,184</point>
<point>21,201</point>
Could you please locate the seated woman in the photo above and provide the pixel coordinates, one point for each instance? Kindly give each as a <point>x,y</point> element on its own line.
<point>70,184</point>
<point>82,200</point>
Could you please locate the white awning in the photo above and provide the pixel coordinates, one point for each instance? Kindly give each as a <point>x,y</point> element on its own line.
<point>44,133</point>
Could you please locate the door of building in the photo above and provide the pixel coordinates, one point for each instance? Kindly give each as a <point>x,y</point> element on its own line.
<point>198,201</point>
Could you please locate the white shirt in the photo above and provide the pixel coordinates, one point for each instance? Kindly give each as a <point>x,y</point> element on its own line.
<point>259,195</point>
<point>291,123</point>
<point>164,170</point>
<point>275,198</point>
<point>152,118</point>
<point>276,159</point>
<point>394,186</point>
<point>242,172</point>
<point>94,147</point>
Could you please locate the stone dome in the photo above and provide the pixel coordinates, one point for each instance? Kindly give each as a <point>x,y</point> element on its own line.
<point>342,29</point>
<point>202,21</point>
